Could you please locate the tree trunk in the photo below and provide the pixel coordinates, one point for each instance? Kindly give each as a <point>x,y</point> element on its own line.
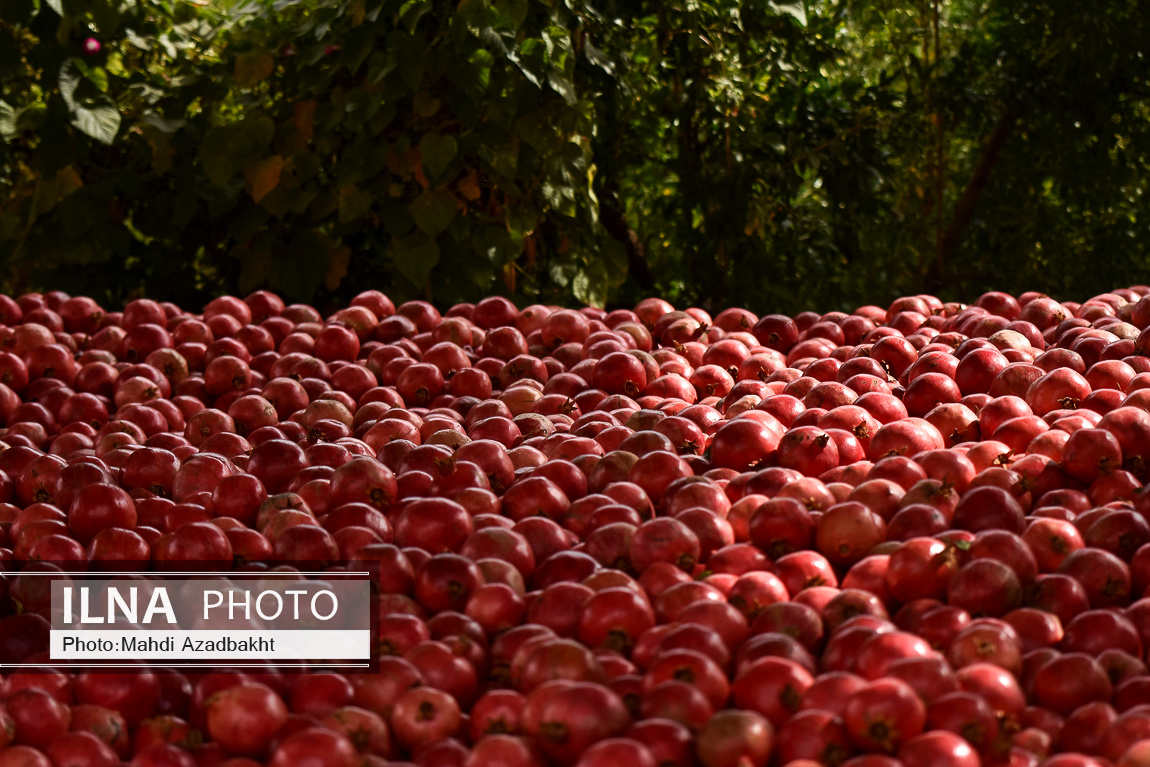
<point>615,223</point>
<point>967,203</point>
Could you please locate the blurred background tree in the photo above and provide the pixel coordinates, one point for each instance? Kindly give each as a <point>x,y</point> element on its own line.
<point>776,155</point>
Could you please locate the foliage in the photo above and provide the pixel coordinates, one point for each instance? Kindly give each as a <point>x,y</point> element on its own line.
<point>778,155</point>
<point>855,151</point>
<point>302,147</point>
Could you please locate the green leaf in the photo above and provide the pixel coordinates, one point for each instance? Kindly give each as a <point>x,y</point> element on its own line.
<point>98,118</point>
<point>161,149</point>
<point>143,42</point>
<point>354,203</point>
<point>258,128</point>
<point>77,214</point>
<point>337,264</point>
<point>425,104</point>
<point>69,81</point>
<point>380,65</point>
<point>395,219</point>
<point>11,55</point>
<point>438,151</point>
<point>253,67</point>
<point>307,165</point>
<point>414,257</point>
<point>796,9</point>
<point>596,57</point>
<point>531,60</point>
<point>216,156</point>
<point>614,258</point>
<point>31,117</point>
<point>101,122</point>
<point>559,197</point>
<point>412,11</point>
<point>563,87</point>
<point>107,18</point>
<point>254,269</point>
<point>433,211</point>
<point>561,273</point>
<point>474,76</point>
<point>95,75</point>
<point>591,285</point>
<point>8,117</point>
<point>163,124</point>
<point>538,130</point>
<point>300,268</point>
<point>514,11</point>
<point>9,225</point>
<point>17,12</point>
<point>382,118</point>
<point>263,176</point>
<point>505,159</point>
<point>225,150</point>
<point>98,77</point>
<point>360,161</point>
<point>496,244</point>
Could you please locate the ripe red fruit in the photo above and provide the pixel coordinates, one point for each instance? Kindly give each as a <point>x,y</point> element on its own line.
<point>989,508</point>
<point>243,719</point>
<point>275,462</point>
<point>1008,442</point>
<point>986,587</point>
<point>814,734</point>
<point>134,694</point>
<point>97,507</point>
<point>968,715</point>
<point>1091,453</point>
<point>445,581</point>
<point>363,480</point>
<point>422,716</point>
<point>883,715</point>
<point>807,449</point>
<point>772,687</point>
<point>780,526</point>
<point>578,716</point>
<point>614,618</point>
<point>1105,577</point>
<point>194,542</point>
<point>664,540</point>
<point>498,749</point>
<point>847,531</point>
<point>744,443</point>
<point>877,654</point>
<point>433,524</point>
<point>104,723</point>
<point>1069,681</point>
<point>613,751</point>
<point>38,719</point>
<point>733,738</point>
<point>23,756</point>
<point>670,742</point>
<point>314,747</point>
<point>921,568</point>
<point>938,749</point>
<point>82,749</point>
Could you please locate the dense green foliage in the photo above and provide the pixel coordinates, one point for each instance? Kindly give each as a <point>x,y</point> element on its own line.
<point>776,155</point>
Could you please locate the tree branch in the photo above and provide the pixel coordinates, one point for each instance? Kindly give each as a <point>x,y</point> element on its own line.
<point>964,209</point>
<point>615,223</point>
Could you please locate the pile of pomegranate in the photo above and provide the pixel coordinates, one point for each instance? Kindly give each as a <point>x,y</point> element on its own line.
<point>914,535</point>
